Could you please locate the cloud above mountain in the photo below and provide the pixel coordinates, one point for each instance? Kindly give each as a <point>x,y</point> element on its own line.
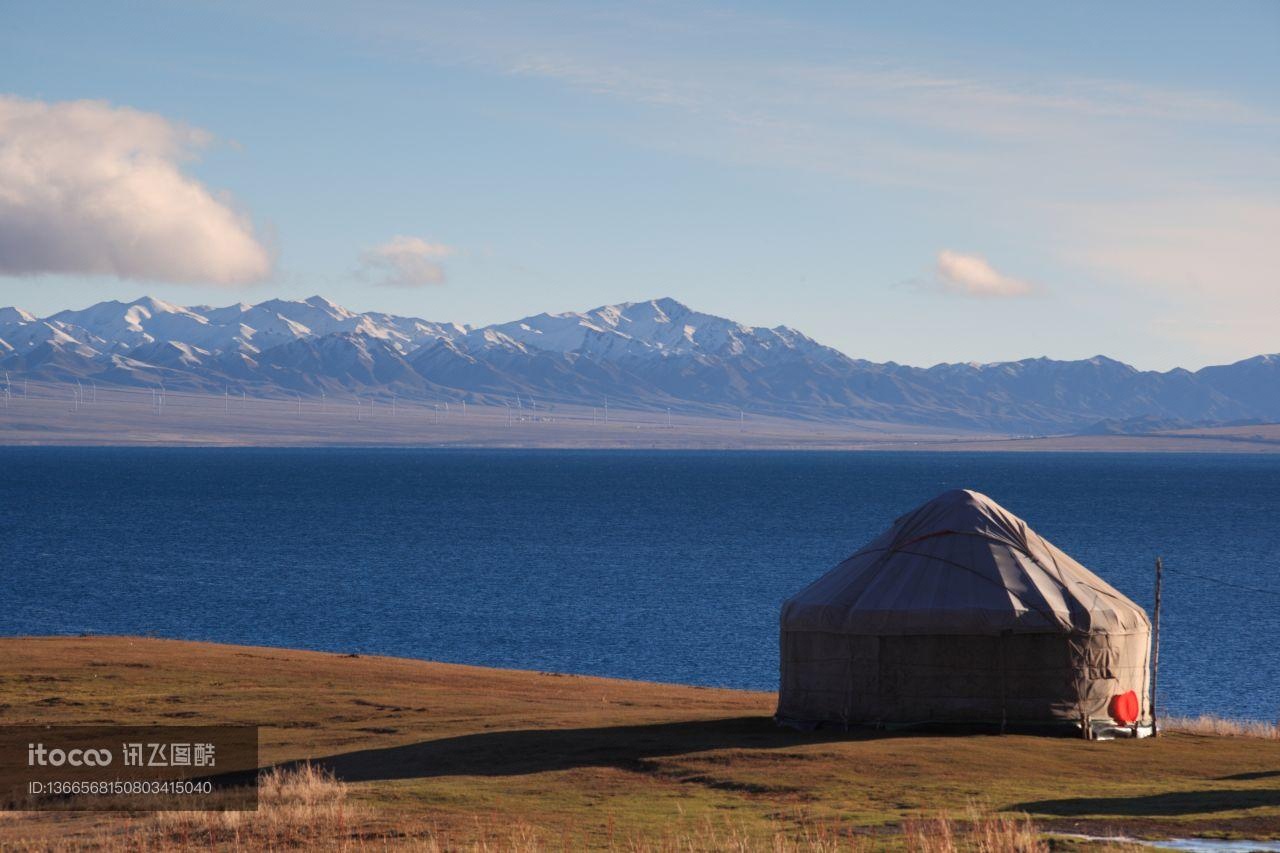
<point>972,275</point>
<point>90,188</point>
<point>404,262</point>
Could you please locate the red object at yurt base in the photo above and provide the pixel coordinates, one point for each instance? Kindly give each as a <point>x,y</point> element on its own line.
<point>1124,707</point>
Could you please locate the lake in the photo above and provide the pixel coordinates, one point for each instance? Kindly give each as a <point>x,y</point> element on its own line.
<point>668,566</point>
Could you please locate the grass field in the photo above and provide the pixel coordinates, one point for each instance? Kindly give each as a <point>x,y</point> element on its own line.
<point>451,757</point>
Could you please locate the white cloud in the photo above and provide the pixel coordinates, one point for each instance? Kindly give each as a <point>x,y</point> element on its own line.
<point>405,262</point>
<point>93,189</point>
<point>971,275</point>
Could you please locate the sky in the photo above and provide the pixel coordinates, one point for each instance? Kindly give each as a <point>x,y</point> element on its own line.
<point>912,182</point>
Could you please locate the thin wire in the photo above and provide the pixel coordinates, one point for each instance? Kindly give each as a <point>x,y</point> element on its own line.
<point>1225,583</point>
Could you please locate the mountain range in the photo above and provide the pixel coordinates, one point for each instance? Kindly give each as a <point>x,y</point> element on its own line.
<point>658,353</point>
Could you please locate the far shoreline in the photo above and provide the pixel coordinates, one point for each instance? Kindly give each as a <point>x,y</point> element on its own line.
<point>1138,445</point>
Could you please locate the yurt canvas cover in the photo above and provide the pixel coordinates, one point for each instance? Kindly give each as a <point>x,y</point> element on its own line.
<point>960,612</point>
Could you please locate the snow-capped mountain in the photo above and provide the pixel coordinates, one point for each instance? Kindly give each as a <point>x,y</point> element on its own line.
<point>653,353</point>
<point>657,327</point>
<point>126,326</point>
<point>15,315</point>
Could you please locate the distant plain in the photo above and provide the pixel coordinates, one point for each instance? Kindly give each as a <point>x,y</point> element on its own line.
<point>41,413</point>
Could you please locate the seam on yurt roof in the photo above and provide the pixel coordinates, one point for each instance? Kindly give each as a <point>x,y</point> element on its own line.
<point>1049,549</point>
<point>978,533</point>
<point>1003,541</point>
<point>872,569</point>
<point>1102,592</point>
<point>1050,615</point>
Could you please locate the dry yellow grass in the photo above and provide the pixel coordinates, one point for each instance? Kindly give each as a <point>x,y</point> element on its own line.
<point>302,806</point>
<point>1207,724</point>
<point>980,833</point>
<point>377,753</point>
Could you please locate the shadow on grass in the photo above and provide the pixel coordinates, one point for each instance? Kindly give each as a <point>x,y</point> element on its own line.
<point>1246,777</point>
<point>1155,805</point>
<point>513,753</point>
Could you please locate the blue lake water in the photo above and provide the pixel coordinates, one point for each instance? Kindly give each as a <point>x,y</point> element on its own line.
<point>662,566</point>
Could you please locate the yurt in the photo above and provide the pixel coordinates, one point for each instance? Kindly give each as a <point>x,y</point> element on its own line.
<point>961,613</point>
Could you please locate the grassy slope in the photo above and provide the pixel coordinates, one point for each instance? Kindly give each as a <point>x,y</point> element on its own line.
<point>431,746</point>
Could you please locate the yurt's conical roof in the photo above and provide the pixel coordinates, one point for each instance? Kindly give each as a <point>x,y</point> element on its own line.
<point>961,564</point>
